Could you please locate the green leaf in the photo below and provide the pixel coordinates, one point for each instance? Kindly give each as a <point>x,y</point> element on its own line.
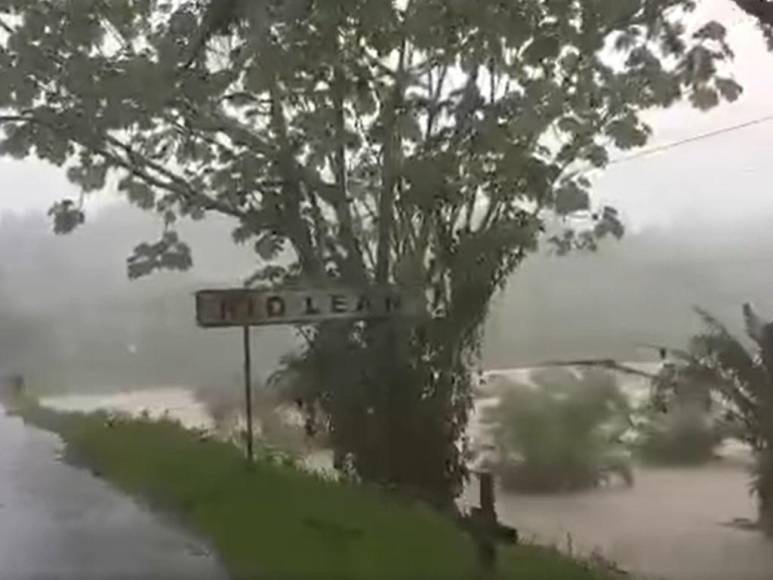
<point>18,142</point>
<point>704,98</point>
<point>712,31</point>
<point>570,125</point>
<point>701,64</point>
<point>90,176</point>
<point>269,246</point>
<point>138,193</point>
<point>728,88</point>
<point>571,198</point>
<point>67,216</point>
<point>597,155</point>
<point>627,133</point>
<point>268,275</point>
<point>167,254</point>
<point>542,48</point>
<point>242,233</point>
<point>609,224</point>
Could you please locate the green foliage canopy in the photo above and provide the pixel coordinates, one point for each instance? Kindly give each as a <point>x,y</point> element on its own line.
<point>366,134</point>
<point>423,143</point>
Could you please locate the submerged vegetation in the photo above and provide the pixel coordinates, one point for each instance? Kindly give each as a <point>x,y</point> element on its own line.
<point>562,433</point>
<point>680,425</point>
<point>685,436</point>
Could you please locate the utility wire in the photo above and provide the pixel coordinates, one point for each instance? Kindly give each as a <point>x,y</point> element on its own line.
<point>700,137</point>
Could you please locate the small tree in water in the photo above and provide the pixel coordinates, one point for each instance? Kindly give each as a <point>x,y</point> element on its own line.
<point>679,425</point>
<point>419,143</point>
<point>563,433</point>
<point>718,362</point>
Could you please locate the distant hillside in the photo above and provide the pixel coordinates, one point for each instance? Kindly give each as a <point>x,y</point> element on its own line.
<point>640,290</point>
<point>71,319</point>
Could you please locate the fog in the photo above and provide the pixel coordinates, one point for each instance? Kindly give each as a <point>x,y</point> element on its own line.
<point>70,319</point>
<point>637,292</point>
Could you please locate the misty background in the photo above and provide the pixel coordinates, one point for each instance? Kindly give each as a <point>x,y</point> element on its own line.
<point>70,319</point>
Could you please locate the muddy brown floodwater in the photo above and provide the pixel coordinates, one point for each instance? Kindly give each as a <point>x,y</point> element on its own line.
<point>672,524</point>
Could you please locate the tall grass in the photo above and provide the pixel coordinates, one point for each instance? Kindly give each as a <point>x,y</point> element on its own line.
<point>273,522</point>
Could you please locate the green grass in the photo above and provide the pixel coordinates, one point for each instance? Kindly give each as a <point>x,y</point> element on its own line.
<point>275,522</point>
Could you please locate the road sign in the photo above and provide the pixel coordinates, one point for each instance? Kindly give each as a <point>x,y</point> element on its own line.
<point>243,307</point>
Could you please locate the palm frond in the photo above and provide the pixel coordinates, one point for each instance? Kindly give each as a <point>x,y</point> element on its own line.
<point>745,379</point>
<point>742,376</point>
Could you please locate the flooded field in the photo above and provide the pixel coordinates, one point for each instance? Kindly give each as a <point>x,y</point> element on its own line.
<point>178,403</point>
<point>673,524</point>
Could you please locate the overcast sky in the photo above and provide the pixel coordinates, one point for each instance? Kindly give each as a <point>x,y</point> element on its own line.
<point>719,179</point>
<point>724,178</point>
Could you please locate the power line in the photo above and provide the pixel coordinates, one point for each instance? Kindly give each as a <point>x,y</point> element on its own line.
<point>688,140</point>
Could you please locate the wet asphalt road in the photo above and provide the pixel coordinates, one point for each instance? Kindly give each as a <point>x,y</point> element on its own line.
<point>62,523</point>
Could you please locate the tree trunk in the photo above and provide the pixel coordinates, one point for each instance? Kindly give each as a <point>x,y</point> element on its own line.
<point>396,408</point>
<point>765,490</point>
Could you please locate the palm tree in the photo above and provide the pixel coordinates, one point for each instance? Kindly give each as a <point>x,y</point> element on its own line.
<point>743,378</point>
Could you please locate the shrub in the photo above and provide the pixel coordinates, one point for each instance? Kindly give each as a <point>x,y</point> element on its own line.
<point>562,433</point>
<point>685,434</point>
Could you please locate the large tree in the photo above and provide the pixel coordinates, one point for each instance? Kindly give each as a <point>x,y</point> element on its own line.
<point>423,143</point>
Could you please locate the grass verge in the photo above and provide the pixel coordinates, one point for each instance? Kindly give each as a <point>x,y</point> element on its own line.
<point>273,522</point>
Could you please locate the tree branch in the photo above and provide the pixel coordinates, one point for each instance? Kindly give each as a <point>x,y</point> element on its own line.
<point>367,251</point>
<point>176,185</point>
<point>319,222</point>
<point>390,155</point>
<point>341,203</point>
<point>436,94</point>
<point>762,10</point>
<point>299,232</point>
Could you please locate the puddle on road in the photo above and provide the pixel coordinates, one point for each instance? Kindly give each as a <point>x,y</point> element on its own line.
<point>57,521</point>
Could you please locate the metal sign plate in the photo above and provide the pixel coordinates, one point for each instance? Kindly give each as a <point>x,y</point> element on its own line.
<point>244,307</point>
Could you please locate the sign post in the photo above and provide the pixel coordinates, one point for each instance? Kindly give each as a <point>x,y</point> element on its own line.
<point>240,307</point>
<point>248,392</point>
